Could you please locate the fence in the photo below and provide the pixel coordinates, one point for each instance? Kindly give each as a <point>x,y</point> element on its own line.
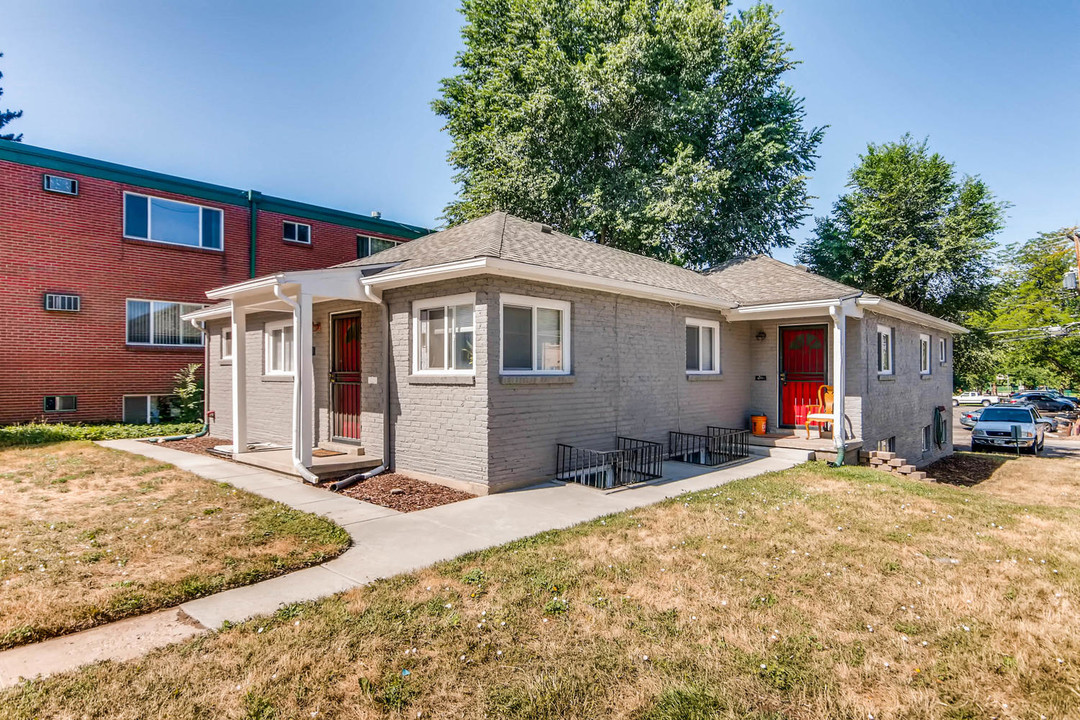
<point>633,461</point>
<point>720,445</point>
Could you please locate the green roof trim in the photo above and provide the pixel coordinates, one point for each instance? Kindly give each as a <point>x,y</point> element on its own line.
<point>62,162</point>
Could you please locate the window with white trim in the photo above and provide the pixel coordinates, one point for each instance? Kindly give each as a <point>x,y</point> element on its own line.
<point>157,322</point>
<point>702,347</point>
<point>942,350</point>
<point>535,336</point>
<point>278,338</point>
<point>366,245</point>
<point>173,222</point>
<point>226,343</point>
<point>150,409</point>
<point>924,354</point>
<point>927,437</point>
<point>444,335</point>
<point>884,350</point>
<point>296,232</point>
<point>60,403</point>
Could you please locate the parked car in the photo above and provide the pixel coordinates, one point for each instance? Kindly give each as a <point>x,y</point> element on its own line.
<point>968,418</point>
<point>994,428</point>
<point>1044,401</point>
<point>972,397</point>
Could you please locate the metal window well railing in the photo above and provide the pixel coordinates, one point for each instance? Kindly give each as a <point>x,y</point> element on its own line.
<point>632,462</point>
<point>720,445</point>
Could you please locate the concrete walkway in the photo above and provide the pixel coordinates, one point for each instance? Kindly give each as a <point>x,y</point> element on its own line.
<point>385,543</point>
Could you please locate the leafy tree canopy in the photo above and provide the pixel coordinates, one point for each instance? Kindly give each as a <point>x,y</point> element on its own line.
<point>7,116</point>
<point>657,126</point>
<point>910,230</point>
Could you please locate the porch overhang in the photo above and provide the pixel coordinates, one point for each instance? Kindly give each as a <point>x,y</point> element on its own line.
<point>802,308</point>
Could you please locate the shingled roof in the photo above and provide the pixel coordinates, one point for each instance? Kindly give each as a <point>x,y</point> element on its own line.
<point>501,235</point>
<point>762,280</point>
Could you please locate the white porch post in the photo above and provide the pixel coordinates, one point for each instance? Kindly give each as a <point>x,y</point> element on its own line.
<point>239,379</point>
<point>304,382</point>
<point>839,345</point>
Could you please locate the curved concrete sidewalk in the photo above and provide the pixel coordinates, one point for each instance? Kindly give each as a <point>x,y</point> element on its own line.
<point>385,543</point>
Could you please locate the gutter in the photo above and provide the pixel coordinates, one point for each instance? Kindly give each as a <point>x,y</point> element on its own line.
<point>304,472</point>
<point>375,296</point>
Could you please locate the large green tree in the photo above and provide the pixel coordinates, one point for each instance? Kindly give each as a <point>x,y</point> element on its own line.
<point>909,229</point>
<point>7,116</point>
<point>662,127</point>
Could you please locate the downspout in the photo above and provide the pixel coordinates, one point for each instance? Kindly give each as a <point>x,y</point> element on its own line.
<point>304,472</point>
<point>374,296</point>
<point>839,318</point>
<point>253,220</point>
<point>201,327</point>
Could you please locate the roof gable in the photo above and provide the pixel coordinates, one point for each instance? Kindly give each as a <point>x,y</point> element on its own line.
<point>760,280</point>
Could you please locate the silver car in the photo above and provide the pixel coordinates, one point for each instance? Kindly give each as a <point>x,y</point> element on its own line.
<point>1010,427</point>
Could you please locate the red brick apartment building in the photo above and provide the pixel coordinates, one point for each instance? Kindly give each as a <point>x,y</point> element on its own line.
<point>99,260</point>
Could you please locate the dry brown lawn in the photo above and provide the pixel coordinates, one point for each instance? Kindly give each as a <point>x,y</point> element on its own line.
<point>813,593</point>
<point>89,535</point>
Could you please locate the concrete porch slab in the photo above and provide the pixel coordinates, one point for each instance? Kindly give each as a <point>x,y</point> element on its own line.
<point>280,461</point>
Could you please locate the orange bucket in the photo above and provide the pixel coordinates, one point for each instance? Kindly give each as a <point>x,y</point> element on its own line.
<point>758,424</point>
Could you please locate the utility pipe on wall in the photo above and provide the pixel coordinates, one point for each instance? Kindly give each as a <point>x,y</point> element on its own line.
<point>839,318</point>
<point>299,355</point>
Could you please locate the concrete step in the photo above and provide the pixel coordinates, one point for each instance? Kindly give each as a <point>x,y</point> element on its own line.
<point>342,447</point>
<point>792,454</point>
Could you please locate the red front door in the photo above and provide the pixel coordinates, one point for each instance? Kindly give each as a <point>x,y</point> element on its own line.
<point>346,379</point>
<point>802,371</point>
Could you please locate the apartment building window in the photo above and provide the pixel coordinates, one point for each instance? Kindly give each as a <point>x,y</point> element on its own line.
<point>927,437</point>
<point>535,336</point>
<point>278,339</point>
<point>226,344</point>
<point>172,222</point>
<point>702,346</point>
<point>941,350</point>
<point>366,245</point>
<point>885,350</point>
<point>157,322</point>
<point>60,403</point>
<point>149,409</point>
<point>297,232</point>
<point>443,332</point>
<point>924,354</point>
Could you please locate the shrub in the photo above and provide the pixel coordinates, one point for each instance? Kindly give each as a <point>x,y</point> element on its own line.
<point>38,433</point>
<point>189,393</point>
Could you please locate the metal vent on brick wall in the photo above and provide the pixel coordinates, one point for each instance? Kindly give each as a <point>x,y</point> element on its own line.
<point>62,185</point>
<point>62,302</point>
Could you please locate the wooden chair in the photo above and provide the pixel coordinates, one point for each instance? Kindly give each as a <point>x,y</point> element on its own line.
<point>822,413</point>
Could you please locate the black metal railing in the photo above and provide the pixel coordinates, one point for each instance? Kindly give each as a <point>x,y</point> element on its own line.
<point>632,462</point>
<point>718,446</point>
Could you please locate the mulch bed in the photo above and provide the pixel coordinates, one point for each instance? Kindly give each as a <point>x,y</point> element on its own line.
<point>965,469</point>
<point>199,445</point>
<point>414,494</point>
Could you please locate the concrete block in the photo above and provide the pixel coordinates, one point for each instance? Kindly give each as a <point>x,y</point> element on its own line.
<point>896,462</point>
<point>905,469</point>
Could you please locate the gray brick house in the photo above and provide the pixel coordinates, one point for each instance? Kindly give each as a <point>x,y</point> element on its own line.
<point>466,355</point>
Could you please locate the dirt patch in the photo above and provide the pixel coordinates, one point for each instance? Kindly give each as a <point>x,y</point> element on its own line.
<point>403,493</point>
<point>966,469</point>
<point>200,445</point>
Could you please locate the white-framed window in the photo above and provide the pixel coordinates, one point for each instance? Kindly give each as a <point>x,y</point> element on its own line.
<point>157,322</point>
<point>942,347</point>
<point>884,350</point>
<point>444,335</point>
<point>702,347</point>
<point>296,232</point>
<point>535,336</point>
<point>278,339</point>
<point>927,437</point>
<point>367,245</point>
<point>60,403</point>
<point>149,409</point>
<point>924,354</point>
<point>173,222</point>
<point>226,343</point>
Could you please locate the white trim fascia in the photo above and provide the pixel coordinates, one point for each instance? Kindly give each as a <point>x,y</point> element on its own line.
<point>888,307</point>
<point>525,271</point>
<point>210,312</point>
<point>227,292</point>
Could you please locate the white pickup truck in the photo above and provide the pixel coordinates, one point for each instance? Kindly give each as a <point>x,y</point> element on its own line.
<point>975,398</point>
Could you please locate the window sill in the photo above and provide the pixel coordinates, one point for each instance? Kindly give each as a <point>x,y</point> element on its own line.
<point>887,378</point>
<point>164,348</point>
<point>226,361</point>
<point>704,377</point>
<point>536,379</point>
<point>926,376</point>
<point>277,378</point>
<point>296,243</point>
<point>172,246</point>
<point>442,379</point>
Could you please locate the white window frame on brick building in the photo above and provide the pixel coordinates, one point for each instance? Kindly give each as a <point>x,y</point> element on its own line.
<point>706,340</point>
<point>209,228</point>
<point>364,243</point>
<point>185,335</point>
<point>886,351</point>
<point>545,358</point>
<point>296,232</point>
<point>278,348</point>
<point>444,335</point>
<point>942,350</point>
<point>925,345</point>
<point>226,343</point>
<point>60,403</point>
<point>152,407</point>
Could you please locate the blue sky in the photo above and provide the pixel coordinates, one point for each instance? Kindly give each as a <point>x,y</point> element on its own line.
<point>328,102</point>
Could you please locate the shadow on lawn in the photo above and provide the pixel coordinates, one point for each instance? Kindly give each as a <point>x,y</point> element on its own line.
<point>966,469</point>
